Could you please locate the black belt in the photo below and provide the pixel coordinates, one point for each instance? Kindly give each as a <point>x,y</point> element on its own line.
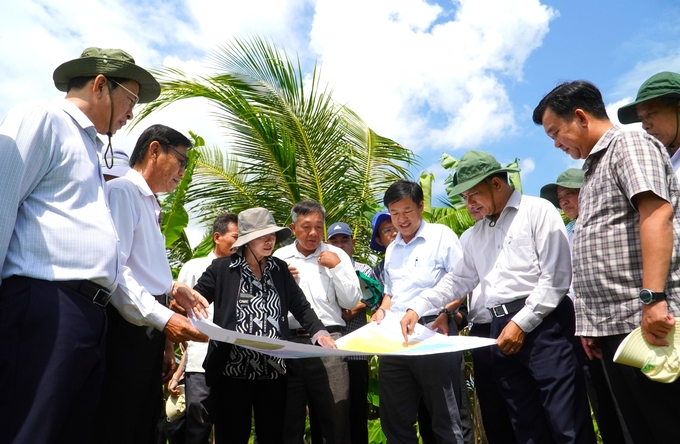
<point>94,292</point>
<point>162,299</point>
<point>498,311</point>
<point>301,332</point>
<point>424,320</point>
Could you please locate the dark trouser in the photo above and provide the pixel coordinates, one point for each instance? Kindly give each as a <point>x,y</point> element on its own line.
<point>495,417</point>
<point>358,401</point>
<point>602,402</point>
<point>52,362</point>
<point>404,380</point>
<point>543,382</point>
<point>467,428</point>
<point>650,409</point>
<point>199,404</point>
<point>323,384</point>
<point>133,392</point>
<point>238,399</point>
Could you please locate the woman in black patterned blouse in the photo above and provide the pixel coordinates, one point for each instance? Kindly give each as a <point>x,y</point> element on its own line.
<point>253,293</point>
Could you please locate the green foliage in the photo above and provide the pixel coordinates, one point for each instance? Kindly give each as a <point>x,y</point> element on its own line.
<point>289,141</point>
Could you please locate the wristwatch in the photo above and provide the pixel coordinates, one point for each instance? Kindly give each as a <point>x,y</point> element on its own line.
<point>648,296</point>
<point>449,313</point>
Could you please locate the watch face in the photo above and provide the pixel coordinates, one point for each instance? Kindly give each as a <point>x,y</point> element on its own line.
<point>646,296</point>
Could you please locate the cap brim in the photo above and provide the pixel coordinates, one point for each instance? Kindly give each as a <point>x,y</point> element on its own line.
<point>282,233</point>
<point>549,192</point>
<point>149,88</point>
<point>628,114</point>
<point>464,186</point>
<point>375,246</point>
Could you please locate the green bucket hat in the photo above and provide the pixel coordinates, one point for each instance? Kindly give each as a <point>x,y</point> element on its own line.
<point>109,62</point>
<point>659,85</point>
<point>572,178</point>
<point>474,167</point>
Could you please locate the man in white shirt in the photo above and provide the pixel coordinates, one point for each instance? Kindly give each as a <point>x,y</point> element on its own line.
<point>58,249</point>
<point>657,106</point>
<point>520,255</point>
<point>416,260</point>
<point>198,403</point>
<point>132,395</point>
<point>326,276</point>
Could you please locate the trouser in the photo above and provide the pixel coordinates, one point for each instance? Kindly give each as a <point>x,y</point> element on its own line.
<point>236,402</point>
<point>323,384</point>
<point>199,407</point>
<point>404,380</point>
<point>543,383</point>
<point>495,417</point>
<point>133,392</point>
<point>650,409</point>
<point>52,364</point>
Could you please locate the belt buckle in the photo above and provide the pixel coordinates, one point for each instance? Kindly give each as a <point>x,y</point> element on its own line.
<point>495,310</point>
<point>101,297</point>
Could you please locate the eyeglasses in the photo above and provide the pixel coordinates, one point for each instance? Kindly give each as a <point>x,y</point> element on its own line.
<point>387,230</point>
<point>183,159</point>
<point>136,97</point>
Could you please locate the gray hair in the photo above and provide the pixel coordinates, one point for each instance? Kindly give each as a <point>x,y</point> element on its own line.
<point>305,207</point>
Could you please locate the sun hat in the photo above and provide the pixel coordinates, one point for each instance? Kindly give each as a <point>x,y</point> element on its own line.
<point>378,219</point>
<point>121,164</point>
<point>175,406</point>
<point>338,228</point>
<point>659,85</point>
<point>258,222</point>
<point>109,62</point>
<point>475,166</point>
<point>572,178</point>
<point>658,363</point>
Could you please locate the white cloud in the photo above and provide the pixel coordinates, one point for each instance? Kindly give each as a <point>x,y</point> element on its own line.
<point>424,80</point>
<point>527,166</point>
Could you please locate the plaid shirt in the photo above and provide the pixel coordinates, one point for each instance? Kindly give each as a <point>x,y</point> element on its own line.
<point>607,253</point>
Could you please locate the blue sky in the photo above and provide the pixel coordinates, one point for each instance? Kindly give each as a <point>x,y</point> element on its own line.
<point>443,76</point>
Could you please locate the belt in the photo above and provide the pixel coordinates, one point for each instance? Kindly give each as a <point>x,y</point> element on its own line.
<point>93,292</point>
<point>498,311</point>
<point>301,332</point>
<point>424,320</point>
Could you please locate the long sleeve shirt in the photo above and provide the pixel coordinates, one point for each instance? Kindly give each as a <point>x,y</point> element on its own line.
<point>145,271</point>
<point>54,222</point>
<point>413,267</point>
<point>525,255</point>
<point>328,290</point>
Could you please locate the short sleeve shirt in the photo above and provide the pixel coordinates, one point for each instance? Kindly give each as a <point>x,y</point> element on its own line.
<point>607,253</point>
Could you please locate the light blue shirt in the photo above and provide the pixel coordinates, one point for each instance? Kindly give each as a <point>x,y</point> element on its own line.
<point>54,220</point>
<point>420,264</point>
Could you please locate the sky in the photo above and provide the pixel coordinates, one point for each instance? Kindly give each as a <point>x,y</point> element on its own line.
<point>437,76</point>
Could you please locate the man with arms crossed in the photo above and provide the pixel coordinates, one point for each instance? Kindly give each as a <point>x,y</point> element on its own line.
<point>626,256</point>
<point>326,276</point>
<point>520,255</point>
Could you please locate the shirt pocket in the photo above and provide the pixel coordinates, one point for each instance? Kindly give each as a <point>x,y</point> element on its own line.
<point>519,254</point>
<point>425,272</point>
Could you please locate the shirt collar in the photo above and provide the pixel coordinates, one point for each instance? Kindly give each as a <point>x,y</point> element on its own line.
<point>135,177</point>
<point>81,119</point>
<point>399,239</point>
<point>513,202</point>
<point>316,252</point>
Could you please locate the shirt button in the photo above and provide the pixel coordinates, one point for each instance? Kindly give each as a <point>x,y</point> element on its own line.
<point>578,295</point>
<point>573,270</point>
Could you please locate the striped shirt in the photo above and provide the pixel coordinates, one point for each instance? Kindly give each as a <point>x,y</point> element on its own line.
<point>54,221</point>
<point>607,252</point>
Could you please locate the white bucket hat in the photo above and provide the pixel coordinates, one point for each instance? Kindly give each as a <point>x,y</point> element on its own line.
<point>658,363</point>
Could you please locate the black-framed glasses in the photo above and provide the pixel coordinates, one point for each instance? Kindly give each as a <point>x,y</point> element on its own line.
<point>182,159</point>
<point>136,100</point>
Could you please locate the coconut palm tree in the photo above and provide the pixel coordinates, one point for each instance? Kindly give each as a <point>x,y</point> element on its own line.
<point>290,140</point>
